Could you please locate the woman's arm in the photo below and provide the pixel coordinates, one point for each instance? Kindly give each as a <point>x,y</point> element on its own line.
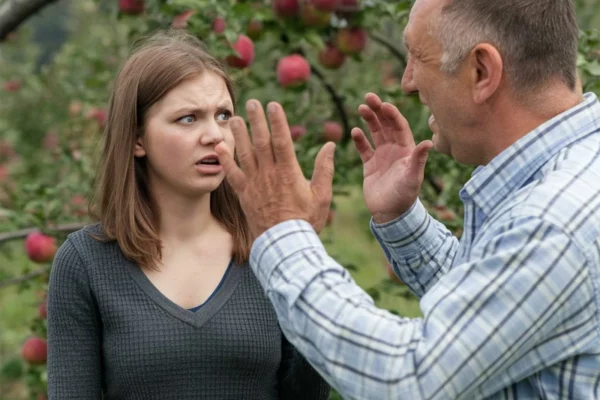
<point>74,330</point>
<point>298,380</point>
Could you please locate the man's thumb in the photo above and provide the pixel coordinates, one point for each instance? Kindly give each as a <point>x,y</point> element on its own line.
<point>419,157</point>
<point>322,178</point>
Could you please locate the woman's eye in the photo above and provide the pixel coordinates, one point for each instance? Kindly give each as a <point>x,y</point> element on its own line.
<point>188,119</point>
<point>224,115</point>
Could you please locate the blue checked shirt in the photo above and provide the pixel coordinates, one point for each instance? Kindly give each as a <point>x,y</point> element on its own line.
<point>510,312</point>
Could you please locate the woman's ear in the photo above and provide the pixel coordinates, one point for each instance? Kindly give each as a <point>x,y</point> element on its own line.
<point>138,150</point>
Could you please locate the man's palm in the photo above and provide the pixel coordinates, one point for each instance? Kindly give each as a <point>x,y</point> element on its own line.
<point>393,171</point>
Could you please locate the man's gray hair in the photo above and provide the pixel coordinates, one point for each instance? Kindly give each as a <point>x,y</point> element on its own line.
<point>538,39</point>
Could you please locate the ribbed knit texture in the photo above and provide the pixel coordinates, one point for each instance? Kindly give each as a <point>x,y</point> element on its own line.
<point>112,335</point>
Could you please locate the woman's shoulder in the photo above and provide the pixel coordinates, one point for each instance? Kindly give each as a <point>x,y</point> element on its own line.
<point>89,241</point>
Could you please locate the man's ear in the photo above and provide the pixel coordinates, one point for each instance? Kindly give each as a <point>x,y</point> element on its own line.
<point>488,69</point>
<point>138,150</point>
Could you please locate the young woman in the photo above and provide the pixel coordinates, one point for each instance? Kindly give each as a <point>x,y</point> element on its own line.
<point>155,300</point>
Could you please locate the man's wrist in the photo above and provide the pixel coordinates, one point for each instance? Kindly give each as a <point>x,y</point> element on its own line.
<point>384,218</point>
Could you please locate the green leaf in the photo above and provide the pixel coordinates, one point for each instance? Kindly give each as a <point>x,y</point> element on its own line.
<point>374,293</point>
<point>315,39</point>
<point>593,68</point>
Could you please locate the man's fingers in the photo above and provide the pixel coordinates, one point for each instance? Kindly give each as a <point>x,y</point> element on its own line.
<point>235,176</point>
<point>375,104</point>
<point>362,144</point>
<point>419,158</point>
<point>397,125</point>
<point>373,123</point>
<point>283,146</point>
<point>260,132</point>
<point>373,101</point>
<point>322,178</point>
<point>243,144</point>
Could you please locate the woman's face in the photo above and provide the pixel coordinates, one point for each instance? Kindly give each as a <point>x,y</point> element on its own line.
<point>181,132</point>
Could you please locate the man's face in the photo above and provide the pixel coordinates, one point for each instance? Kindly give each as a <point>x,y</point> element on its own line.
<point>445,95</point>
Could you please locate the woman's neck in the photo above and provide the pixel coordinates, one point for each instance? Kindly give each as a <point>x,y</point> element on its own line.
<point>185,219</point>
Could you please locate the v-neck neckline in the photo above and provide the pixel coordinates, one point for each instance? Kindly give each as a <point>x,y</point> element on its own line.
<point>210,307</point>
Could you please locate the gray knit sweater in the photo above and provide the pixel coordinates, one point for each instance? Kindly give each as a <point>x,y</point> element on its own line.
<point>113,335</point>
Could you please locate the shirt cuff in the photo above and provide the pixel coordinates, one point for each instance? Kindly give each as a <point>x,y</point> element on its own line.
<point>279,243</point>
<point>408,231</point>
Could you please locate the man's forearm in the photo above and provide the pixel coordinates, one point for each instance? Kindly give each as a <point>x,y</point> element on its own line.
<point>420,249</point>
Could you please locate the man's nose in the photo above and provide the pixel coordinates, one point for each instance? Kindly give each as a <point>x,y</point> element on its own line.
<point>408,81</point>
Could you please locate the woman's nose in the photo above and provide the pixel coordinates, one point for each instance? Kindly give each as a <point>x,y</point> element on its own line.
<point>212,134</point>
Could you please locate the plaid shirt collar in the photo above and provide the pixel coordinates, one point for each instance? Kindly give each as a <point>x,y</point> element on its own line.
<point>507,172</point>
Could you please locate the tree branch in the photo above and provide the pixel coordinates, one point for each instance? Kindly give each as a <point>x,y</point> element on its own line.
<point>338,101</point>
<point>5,237</point>
<point>24,278</point>
<point>14,12</point>
<point>387,44</point>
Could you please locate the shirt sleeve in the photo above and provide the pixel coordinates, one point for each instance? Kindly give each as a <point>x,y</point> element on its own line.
<point>298,380</point>
<point>74,345</point>
<point>420,249</point>
<point>486,324</point>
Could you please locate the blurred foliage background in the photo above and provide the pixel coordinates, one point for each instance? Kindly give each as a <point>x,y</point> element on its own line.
<point>56,70</point>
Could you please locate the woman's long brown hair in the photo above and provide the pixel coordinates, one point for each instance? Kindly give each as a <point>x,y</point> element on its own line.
<point>123,203</point>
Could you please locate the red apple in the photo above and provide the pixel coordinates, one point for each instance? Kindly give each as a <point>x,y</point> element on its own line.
<point>12,85</point>
<point>39,247</point>
<point>332,131</point>
<point>99,114</point>
<point>310,16</point>
<point>285,8</point>
<point>78,200</point>
<point>293,70</point>
<point>51,140</point>
<point>219,25</point>
<point>244,48</point>
<point>351,40</point>
<point>325,5</point>
<point>43,310</point>
<point>6,149</point>
<point>331,57</point>
<point>35,350</point>
<point>180,21</point>
<point>297,132</point>
<point>132,7</point>
<point>348,5</point>
<point>254,29</point>
<point>79,205</point>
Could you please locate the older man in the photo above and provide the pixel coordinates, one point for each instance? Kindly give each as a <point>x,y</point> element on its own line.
<point>510,312</point>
